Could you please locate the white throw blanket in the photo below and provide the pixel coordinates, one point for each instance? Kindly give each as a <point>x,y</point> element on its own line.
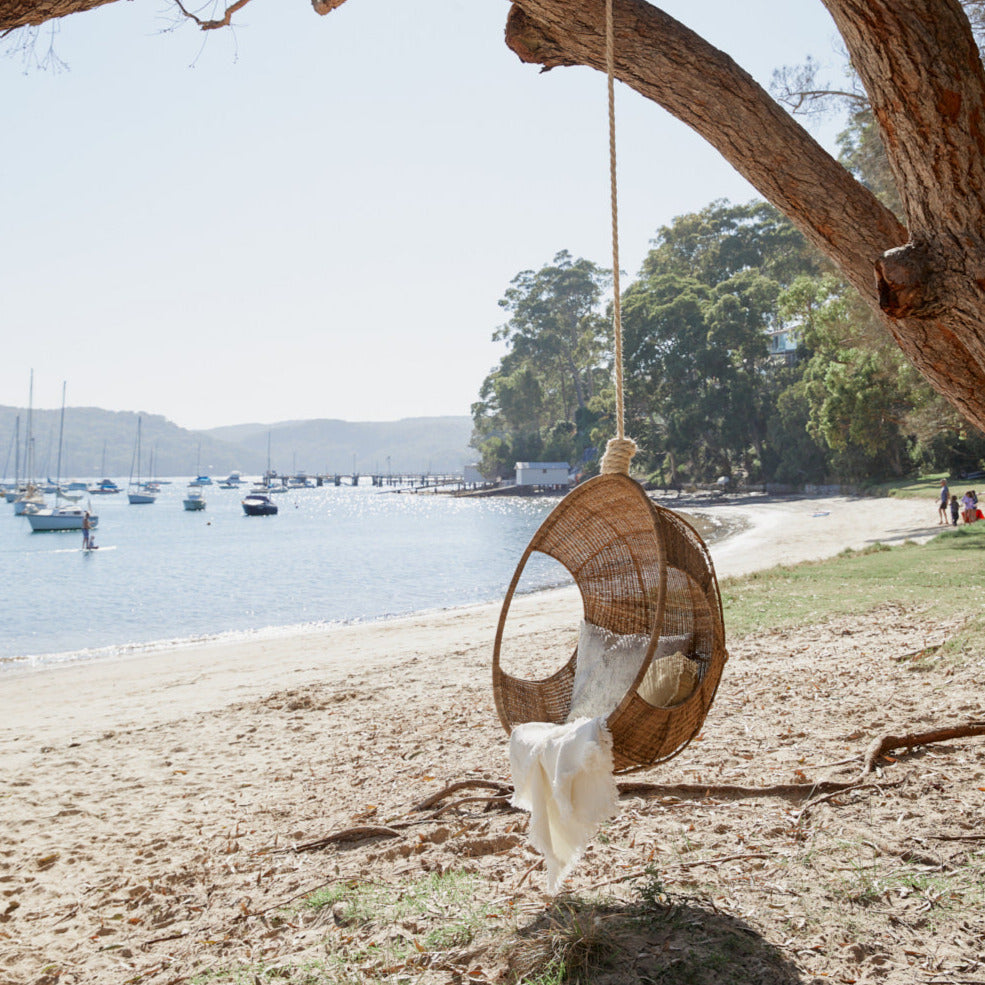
<point>562,774</point>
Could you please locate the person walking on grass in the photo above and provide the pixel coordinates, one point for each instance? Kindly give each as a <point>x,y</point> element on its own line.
<point>944,503</point>
<point>955,510</point>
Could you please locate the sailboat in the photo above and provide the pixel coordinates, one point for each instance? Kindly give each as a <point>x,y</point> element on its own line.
<point>30,498</point>
<point>136,494</point>
<point>151,485</point>
<point>107,486</point>
<point>11,494</point>
<point>61,517</point>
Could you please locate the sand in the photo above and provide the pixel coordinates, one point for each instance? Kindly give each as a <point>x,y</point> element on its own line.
<point>139,793</point>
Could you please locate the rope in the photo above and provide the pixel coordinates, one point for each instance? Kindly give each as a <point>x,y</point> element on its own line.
<point>620,449</point>
<point>618,453</point>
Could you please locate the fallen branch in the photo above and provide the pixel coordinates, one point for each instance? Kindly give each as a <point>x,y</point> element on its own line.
<point>360,833</point>
<point>523,878</point>
<point>640,873</point>
<point>728,791</point>
<point>488,801</point>
<point>502,790</point>
<point>904,854</point>
<point>879,747</point>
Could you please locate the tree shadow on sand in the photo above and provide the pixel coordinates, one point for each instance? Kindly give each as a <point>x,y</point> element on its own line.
<point>666,939</point>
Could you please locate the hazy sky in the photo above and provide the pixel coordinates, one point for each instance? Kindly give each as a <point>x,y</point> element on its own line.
<point>316,216</point>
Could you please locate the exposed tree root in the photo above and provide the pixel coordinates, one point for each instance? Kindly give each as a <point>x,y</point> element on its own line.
<point>728,791</point>
<point>490,802</point>
<point>812,794</point>
<point>360,833</point>
<point>888,743</point>
<point>501,789</point>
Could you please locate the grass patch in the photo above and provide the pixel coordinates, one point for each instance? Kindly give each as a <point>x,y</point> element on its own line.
<point>938,574</point>
<point>447,898</point>
<point>381,933</point>
<point>924,487</point>
<point>437,912</point>
<point>570,944</point>
<point>886,880</point>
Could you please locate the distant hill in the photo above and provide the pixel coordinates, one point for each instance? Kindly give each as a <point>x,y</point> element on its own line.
<point>414,444</point>
<point>101,442</point>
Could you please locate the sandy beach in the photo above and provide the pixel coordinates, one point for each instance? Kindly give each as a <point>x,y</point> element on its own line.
<point>157,686</point>
<point>142,795</point>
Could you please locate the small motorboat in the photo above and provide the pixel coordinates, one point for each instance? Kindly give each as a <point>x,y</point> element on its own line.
<point>105,488</point>
<point>259,504</point>
<point>194,500</point>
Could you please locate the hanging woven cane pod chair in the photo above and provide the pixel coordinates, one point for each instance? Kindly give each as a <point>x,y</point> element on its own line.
<point>652,641</point>
<point>649,591</point>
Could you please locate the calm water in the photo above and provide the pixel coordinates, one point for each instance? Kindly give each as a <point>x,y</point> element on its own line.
<point>332,555</point>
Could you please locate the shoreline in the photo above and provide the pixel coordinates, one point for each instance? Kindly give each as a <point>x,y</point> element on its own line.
<point>68,701</point>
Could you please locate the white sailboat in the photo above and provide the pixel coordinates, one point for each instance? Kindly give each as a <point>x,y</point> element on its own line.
<point>60,517</point>
<point>135,493</point>
<point>107,486</point>
<point>11,494</point>
<point>195,499</point>
<point>29,499</point>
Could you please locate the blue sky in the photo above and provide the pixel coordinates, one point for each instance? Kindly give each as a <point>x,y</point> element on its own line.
<point>316,216</point>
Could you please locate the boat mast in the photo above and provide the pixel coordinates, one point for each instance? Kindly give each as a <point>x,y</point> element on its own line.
<point>29,438</point>
<point>138,451</point>
<point>17,453</point>
<point>61,431</point>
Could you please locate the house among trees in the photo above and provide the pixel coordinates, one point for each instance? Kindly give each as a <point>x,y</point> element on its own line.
<point>543,474</point>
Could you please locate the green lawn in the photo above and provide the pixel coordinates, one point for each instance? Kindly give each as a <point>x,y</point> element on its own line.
<point>943,575</point>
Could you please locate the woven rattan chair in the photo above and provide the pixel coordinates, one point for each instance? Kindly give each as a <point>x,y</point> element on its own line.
<point>643,570</point>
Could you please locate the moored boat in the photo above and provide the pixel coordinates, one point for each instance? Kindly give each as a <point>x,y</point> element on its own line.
<point>259,504</point>
<point>30,499</point>
<point>61,518</point>
<point>104,488</point>
<point>137,493</point>
<point>194,500</point>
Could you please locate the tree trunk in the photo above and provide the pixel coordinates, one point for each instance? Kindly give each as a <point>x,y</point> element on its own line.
<point>924,77</point>
<point>24,13</point>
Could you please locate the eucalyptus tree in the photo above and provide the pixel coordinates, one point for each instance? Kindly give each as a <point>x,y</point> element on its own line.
<point>536,401</point>
<point>723,239</point>
<point>556,329</point>
<point>698,393</point>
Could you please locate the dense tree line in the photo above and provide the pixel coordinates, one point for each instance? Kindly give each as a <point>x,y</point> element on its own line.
<point>711,388</point>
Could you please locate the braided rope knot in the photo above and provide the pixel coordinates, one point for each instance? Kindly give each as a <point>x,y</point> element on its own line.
<point>618,454</point>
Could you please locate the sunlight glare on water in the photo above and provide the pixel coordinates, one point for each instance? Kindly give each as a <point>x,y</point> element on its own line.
<point>331,555</point>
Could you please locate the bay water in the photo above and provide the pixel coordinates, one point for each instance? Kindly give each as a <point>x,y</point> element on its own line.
<point>332,555</point>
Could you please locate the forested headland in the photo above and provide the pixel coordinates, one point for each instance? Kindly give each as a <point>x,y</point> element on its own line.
<point>745,354</point>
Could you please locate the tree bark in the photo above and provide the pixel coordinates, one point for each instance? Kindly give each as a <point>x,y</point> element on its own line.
<point>27,13</point>
<point>924,76</point>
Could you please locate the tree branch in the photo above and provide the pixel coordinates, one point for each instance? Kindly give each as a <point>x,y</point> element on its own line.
<point>212,25</point>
